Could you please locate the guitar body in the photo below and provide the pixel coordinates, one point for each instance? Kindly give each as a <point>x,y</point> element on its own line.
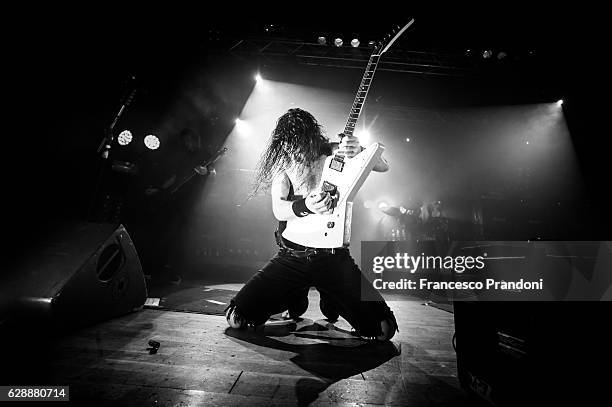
<point>345,176</point>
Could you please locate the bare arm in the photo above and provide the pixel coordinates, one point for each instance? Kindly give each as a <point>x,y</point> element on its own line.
<point>281,207</point>
<point>316,202</point>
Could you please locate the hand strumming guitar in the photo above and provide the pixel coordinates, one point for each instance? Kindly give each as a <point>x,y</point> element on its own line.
<point>319,202</point>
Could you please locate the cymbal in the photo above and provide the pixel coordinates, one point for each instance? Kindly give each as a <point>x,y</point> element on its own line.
<point>125,167</point>
<point>392,211</point>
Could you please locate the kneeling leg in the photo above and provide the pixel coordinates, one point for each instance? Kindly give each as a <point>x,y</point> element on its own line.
<point>267,292</point>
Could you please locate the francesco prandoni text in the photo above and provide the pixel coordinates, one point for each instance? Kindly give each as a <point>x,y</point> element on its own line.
<point>458,264</point>
<point>488,284</point>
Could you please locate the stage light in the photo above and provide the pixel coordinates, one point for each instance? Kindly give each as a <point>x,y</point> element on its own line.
<point>338,42</point>
<point>242,127</point>
<point>527,142</point>
<point>152,142</point>
<point>124,138</point>
<point>382,205</point>
<point>355,42</point>
<point>559,102</point>
<point>487,53</point>
<point>258,78</point>
<point>322,40</point>
<point>407,139</point>
<point>372,44</point>
<point>363,136</point>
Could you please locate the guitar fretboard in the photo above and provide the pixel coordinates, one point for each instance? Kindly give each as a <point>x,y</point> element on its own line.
<point>362,93</point>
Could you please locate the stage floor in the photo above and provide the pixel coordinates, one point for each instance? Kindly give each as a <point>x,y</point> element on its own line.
<point>202,362</point>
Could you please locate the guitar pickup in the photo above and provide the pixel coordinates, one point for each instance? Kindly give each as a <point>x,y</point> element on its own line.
<point>337,163</point>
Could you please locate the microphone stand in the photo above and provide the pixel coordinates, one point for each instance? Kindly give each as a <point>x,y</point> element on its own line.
<point>104,148</point>
<point>107,140</point>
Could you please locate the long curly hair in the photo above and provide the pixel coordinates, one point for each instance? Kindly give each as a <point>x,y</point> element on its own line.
<point>297,140</point>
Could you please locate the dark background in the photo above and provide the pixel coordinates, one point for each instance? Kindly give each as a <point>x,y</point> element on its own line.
<point>67,76</point>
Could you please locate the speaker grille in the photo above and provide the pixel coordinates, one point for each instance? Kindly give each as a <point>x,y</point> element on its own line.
<point>110,261</point>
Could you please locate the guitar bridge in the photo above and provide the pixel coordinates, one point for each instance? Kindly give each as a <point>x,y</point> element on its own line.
<point>333,192</point>
<point>329,187</point>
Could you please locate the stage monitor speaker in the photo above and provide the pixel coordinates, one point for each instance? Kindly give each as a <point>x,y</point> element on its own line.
<point>532,353</point>
<point>79,272</point>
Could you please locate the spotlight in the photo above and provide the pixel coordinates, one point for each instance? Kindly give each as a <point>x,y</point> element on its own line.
<point>382,205</point>
<point>152,142</point>
<point>363,136</point>
<point>487,53</point>
<point>257,78</point>
<point>559,102</point>
<point>407,139</point>
<point>124,138</point>
<point>322,40</point>
<point>338,42</point>
<point>242,126</point>
<point>355,42</point>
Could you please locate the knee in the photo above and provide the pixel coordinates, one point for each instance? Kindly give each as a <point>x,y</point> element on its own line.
<point>234,319</point>
<point>388,330</point>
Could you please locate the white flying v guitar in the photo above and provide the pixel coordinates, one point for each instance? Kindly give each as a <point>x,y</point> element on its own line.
<point>342,177</point>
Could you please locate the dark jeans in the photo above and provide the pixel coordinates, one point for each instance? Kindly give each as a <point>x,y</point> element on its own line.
<point>273,289</point>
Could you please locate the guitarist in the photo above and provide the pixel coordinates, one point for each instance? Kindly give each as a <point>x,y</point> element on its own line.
<point>292,166</point>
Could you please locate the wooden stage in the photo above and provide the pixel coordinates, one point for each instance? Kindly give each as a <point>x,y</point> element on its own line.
<point>202,362</point>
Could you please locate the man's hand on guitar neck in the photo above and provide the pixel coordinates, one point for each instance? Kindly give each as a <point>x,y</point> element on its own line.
<point>349,146</point>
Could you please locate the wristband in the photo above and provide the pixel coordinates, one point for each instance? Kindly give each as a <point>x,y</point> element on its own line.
<point>300,209</point>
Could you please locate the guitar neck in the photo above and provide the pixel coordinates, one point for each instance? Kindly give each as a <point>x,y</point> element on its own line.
<point>362,93</point>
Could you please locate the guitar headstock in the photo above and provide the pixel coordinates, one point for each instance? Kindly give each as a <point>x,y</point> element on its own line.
<point>383,45</point>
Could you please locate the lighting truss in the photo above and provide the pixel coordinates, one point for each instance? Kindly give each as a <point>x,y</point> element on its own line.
<point>398,60</point>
